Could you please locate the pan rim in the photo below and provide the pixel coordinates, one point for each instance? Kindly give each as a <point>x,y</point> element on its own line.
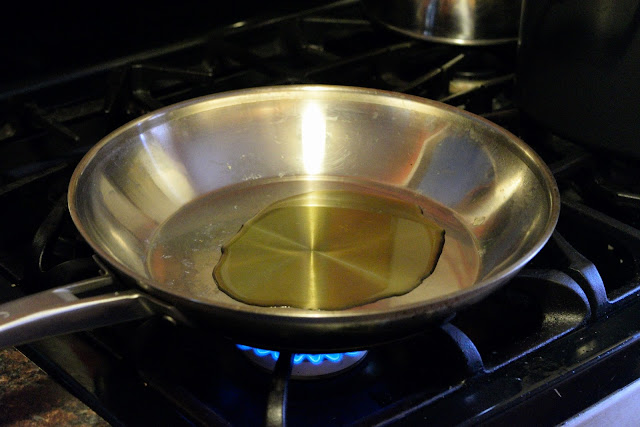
<point>433,306</point>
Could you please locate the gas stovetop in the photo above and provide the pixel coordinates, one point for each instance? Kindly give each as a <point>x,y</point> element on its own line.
<point>555,340</point>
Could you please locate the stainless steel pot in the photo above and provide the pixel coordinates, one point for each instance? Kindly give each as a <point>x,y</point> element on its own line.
<point>242,151</point>
<point>461,22</point>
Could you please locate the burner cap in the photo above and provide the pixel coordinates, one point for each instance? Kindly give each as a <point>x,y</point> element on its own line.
<point>306,365</point>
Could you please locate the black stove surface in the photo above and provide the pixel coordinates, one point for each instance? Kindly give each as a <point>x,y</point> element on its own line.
<point>556,339</point>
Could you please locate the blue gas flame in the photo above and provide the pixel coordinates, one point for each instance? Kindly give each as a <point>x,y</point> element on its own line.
<point>315,359</point>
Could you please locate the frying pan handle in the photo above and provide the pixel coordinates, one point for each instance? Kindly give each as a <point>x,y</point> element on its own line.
<point>68,309</point>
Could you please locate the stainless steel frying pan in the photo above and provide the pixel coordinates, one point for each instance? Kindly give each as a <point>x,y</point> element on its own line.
<point>158,197</point>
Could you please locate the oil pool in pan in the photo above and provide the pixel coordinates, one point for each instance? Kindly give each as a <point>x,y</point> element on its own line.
<point>330,250</point>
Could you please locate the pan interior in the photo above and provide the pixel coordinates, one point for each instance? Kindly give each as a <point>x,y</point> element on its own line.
<point>186,248</point>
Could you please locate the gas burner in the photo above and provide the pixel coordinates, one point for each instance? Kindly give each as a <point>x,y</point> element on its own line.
<point>612,188</point>
<point>306,366</point>
<point>475,70</point>
<point>460,84</point>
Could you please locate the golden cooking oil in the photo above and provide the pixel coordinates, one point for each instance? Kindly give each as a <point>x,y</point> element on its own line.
<point>329,250</point>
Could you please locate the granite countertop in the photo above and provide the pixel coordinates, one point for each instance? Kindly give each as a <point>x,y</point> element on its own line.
<point>29,397</point>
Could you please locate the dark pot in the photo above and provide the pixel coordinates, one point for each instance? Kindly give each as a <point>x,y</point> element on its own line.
<point>579,70</point>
